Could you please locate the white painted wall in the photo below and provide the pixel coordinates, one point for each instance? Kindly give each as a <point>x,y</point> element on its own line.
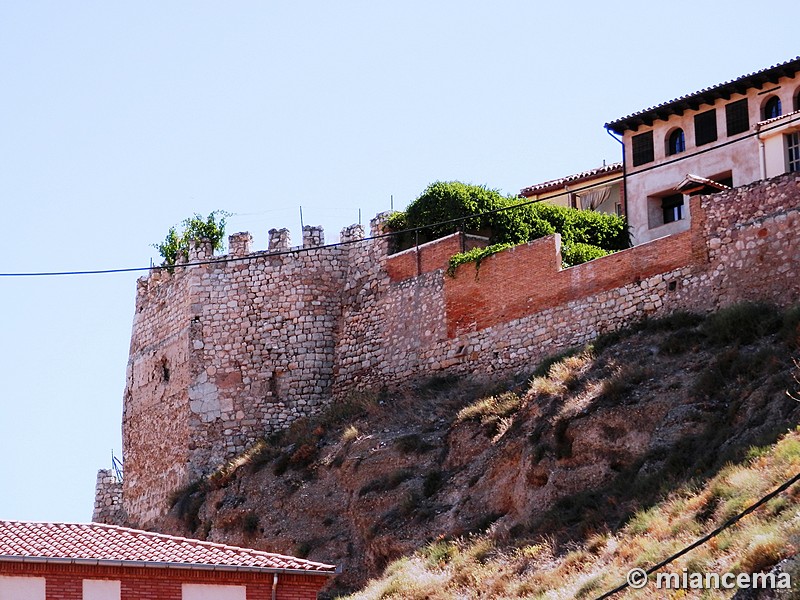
<point>739,154</point>
<point>22,588</point>
<point>101,589</point>
<point>193,591</point>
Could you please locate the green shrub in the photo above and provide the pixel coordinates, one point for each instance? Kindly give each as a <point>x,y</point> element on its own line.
<point>510,220</point>
<point>386,483</point>
<point>742,323</point>
<point>195,230</point>
<point>412,443</point>
<point>790,327</point>
<point>250,522</point>
<point>578,253</point>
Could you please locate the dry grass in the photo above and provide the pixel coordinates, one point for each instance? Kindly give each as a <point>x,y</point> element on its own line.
<point>562,375</point>
<point>478,567</point>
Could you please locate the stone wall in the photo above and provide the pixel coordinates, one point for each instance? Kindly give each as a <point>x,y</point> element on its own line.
<point>225,352</point>
<point>108,499</point>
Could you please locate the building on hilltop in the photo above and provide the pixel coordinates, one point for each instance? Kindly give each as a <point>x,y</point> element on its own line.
<point>105,562</point>
<point>728,135</point>
<point>598,189</point>
<point>228,349</point>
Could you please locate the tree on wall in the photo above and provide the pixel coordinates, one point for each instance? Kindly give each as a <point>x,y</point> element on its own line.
<point>445,207</point>
<point>196,229</point>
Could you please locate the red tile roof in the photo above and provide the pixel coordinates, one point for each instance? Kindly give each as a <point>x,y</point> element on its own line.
<point>583,176</point>
<point>94,543</point>
<point>706,96</point>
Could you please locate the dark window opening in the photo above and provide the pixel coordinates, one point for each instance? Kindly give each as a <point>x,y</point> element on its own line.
<point>643,148</point>
<point>705,127</point>
<point>736,117</point>
<point>772,108</point>
<point>793,152</point>
<point>676,142</point>
<point>164,370</point>
<point>672,206</point>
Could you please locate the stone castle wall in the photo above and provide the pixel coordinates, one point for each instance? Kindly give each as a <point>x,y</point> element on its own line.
<point>108,499</point>
<point>225,352</point>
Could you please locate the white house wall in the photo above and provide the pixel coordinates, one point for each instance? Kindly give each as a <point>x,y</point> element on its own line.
<point>739,155</point>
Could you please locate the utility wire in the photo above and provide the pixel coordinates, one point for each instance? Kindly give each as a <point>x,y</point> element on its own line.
<point>255,256</point>
<point>410,230</point>
<point>782,488</point>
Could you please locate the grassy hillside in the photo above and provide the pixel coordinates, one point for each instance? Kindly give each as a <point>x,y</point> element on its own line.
<point>486,567</point>
<point>550,484</point>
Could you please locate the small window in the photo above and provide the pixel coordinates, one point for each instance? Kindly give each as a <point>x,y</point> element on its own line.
<point>22,588</point>
<point>672,206</point>
<point>793,152</point>
<point>676,142</point>
<point>643,148</point>
<point>736,117</point>
<point>705,127</point>
<point>797,100</point>
<point>101,589</point>
<point>197,591</point>
<point>772,108</point>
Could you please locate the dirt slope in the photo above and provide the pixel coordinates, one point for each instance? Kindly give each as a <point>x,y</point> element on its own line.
<point>569,449</point>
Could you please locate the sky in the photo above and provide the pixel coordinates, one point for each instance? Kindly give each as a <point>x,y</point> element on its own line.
<point>120,119</point>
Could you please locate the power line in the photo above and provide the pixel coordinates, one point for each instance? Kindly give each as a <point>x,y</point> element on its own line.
<point>257,255</point>
<point>410,230</point>
<point>782,488</point>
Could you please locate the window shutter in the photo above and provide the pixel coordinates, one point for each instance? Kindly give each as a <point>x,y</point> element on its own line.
<point>705,127</point>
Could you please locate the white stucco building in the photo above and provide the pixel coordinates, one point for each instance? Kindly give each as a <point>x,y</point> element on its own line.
<point>724,136</point>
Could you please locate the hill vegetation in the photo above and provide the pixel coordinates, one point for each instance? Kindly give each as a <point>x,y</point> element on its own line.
<point>549,484</point>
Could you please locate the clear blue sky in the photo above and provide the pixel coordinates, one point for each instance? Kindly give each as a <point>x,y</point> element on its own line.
<point>118,120</point>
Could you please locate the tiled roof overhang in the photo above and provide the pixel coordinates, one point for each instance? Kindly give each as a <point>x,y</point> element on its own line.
<point>759,79</point>
<point>584,176</point>
<point>113,546</point>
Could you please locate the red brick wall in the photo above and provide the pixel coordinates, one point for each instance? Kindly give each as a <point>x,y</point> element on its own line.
<point>431,256</point>
<point>529,278</point>
<point>65,581</point>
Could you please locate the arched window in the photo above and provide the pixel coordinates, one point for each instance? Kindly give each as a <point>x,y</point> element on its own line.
<point>797,99</point>
<point>676,142</point>
<point>772,107</point>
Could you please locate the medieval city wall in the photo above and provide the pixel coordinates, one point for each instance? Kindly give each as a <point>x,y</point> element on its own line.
<point>252,341</point>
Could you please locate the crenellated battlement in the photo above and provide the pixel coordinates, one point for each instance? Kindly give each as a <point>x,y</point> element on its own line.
<point>234,347</point>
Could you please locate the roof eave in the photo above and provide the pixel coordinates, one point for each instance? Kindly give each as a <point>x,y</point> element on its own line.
<point>164,565</point>
<point>694,101</point>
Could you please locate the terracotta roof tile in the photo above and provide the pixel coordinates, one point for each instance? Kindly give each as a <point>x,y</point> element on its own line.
<point>577,177</point>
<point>80,542</point>
<point>705,96</point>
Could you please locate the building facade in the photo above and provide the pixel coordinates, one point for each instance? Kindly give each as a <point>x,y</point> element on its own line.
<point>66,561</point>
<point>724,136</point>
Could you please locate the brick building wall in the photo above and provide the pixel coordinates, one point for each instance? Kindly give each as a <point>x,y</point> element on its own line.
<point>251,345</point>
<point>65,581</point>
